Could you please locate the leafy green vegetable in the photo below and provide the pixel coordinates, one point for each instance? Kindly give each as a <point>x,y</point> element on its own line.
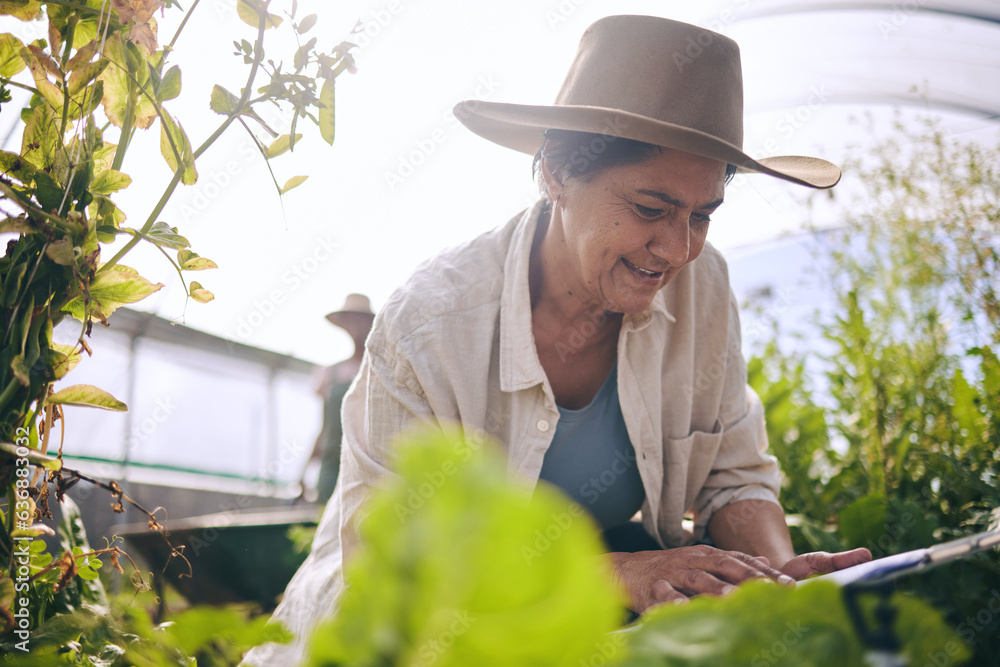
<point>461,568</point>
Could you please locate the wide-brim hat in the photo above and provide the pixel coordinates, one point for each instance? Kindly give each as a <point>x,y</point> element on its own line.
<point>653,80</point>
<point>357,309</point>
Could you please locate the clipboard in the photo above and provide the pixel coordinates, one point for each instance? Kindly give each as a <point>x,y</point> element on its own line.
<point>882,570</point>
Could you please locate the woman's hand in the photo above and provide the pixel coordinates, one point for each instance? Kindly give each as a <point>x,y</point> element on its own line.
<point>654,577</point>
<point>821,562</point>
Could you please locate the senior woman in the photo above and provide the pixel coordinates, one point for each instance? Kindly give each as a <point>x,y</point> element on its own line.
<point>595,336</point>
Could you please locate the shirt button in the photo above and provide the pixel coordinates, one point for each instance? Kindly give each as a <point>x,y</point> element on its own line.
<point>542,425</point>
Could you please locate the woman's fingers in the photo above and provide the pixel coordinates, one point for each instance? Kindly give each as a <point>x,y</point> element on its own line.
<point>662,592</point>
<point>655,577</point>
<point>735,567</point>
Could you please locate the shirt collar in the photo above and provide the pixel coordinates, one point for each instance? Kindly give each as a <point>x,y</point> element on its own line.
<point>519,364</point>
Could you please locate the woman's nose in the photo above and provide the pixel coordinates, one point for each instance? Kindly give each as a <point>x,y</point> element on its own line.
<point>672,241</point>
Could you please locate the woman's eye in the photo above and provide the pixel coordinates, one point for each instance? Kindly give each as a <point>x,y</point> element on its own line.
<point>647,212</point>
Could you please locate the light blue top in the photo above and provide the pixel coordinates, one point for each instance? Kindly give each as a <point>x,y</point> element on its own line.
<point>591,458</point>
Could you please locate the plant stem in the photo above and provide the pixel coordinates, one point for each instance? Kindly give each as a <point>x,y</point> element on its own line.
<point>170,46</point>
<point>151,220</point>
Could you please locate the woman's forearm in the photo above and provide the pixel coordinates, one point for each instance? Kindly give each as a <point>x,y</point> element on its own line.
<point>754,527</point>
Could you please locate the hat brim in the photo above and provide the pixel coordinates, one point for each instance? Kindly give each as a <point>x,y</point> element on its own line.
<point>521,127</point>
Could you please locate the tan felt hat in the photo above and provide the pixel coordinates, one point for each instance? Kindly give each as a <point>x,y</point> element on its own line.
<point>354,304</point>
<point>653,80</point>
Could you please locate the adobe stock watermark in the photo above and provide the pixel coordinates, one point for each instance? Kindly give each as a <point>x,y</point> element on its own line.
<point>424,147</point>
<point>418,495</point>
<point>899,17</point>
<point>21,555</point>
<point>264,307</point>
<point>561,12</point>
<point>591,491</point>
<point>776,651</point>
<point>431,651</point>
<point>605,650</point>
<point>968,630</point>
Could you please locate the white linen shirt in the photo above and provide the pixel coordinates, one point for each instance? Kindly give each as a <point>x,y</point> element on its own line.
<point>455,344</point>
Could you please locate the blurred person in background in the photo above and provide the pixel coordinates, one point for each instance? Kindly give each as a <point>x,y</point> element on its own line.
<point>356,319</point>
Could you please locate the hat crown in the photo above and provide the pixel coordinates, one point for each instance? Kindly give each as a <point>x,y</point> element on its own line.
<point>661,69</point>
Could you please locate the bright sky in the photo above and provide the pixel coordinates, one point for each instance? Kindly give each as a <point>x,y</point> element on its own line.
<point>405,179</point>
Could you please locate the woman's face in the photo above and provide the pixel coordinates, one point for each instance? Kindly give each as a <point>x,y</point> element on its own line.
<point>621,236</point>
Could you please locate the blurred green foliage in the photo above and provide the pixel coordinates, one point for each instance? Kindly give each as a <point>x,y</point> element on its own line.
<point>460,568</point>
<point>902,450</point>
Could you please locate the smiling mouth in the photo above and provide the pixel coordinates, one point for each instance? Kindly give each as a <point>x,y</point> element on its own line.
<point>642,273</point>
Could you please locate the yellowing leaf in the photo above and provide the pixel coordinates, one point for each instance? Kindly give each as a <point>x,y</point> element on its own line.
<point>327,123</point>
<point>200,294</point>
<point>250,12</point>
<point>281,145</point>
<point>61,252</point>
<point>84,75</point>
<point>16,225</point>
<point>223,102</point>
<point>307,24</point>
<point>169,129</point>
<point>198,264</point>
<point>50,92</point>
<point>292,182</point>
<point>82,56</point>
<point>165,236</point>
<point>110,290</point>
<point>86,395</point>
<point>64,358</point>
<point>10,55</point>
<point>26,10</point>
<point>109,181</point>
<point>117,86</point>
<point>40,139</point>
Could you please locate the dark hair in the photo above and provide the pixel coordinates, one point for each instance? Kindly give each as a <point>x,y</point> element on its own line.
<point>582,155</point>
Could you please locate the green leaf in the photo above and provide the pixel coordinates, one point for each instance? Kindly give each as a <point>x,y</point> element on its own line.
<point>10,55</point>
<point>307,23</point>
<point>16,226</point>
<point>14,166</point>
<point>62,359</point>
<point>34,457</point>
<point>327,123</point>
<point>170,85</point>
<point>199,293</point>
<point>110,290</point>
<point>170,128</point>
<point>292,182</point>
<point>165,236</point>
<point>504,593</point>
<point>250,12</point>
<point>48,193</point>
<point>301,58</point>
<point>26,10</point>
<point>863,521</point>
<point>109,181</point>
<point>223,102</point>
<point>280,145</point>
<point>86,395</point>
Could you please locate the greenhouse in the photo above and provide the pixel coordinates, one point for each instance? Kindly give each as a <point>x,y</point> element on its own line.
<point>648,306</point>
